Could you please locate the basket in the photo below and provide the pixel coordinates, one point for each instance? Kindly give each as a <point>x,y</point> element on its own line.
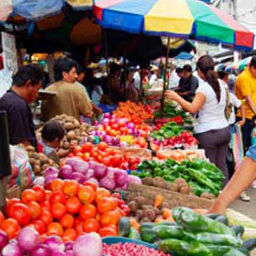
<point>123,240</point>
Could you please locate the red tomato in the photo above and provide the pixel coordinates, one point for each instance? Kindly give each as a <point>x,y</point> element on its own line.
<point>87,212</point>
<point>67,221</point>
<point>73,205</point>
<point>55,228</point>
<point>102,146</point>
<point>91,225</point>
<point>116,160</point>
<point>46,217</point>
<point>40,193</point>
<point>34,209</point>
<point>10,227</point>
<point>20,212</point>
<point>87,147</point>
<point>77,150</point>
<point>57,197</point>
<point>58,210</point>
<point>70,187</point>
<point>10,203</point>
<point>39,226</point>
<point>28,195</point>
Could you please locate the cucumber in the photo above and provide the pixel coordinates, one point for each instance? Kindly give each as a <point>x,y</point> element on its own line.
<point>249,244</point>
<point>164,232</point>
<point>239,230</point>
<point>148,235</point>
<point>134,234</point>
<point>217,250</point>
<point>124,227</point>
<point>222,219</point>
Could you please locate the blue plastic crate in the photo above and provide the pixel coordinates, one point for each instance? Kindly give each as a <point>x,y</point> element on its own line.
<point>107,108</point>
<point>123,240</point>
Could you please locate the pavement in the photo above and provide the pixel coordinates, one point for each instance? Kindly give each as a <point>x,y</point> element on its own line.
<point>247,208</point>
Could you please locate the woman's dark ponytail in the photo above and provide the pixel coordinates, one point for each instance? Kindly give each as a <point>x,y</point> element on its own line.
<point>206,65</point>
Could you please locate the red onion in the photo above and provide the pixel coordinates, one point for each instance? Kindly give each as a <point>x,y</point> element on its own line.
<point>100,170</point>
<point>54,243</point>
<point>134,179</point>
<point>28,239</point>
<point>94,181</point>
<point>65,171</point>
<point>88,244</point>
<point>79,177</point>
<point>69,245</point>
<point>78,164</point>
<point>69,253</point>
<point>89,174</point>
<point>41,250</point>
<point>3,239</point>
<point>121,177</point>
<point>11,249</point>
<point>51,171</point>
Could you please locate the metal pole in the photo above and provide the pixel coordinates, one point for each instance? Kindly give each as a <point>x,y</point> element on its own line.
<point>106,56</point>
<point>5,161</point>
<point>165,74</point>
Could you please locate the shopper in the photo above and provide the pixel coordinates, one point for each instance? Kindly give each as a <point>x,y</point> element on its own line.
<point>241,180</point>
<point>52,135</point>
<point>175,77</point>
<point>132,94</point>
<point>212,128</point>
<point>24,90</point>
<point>187,84</point>
<point>70,98</point>
<point>246,91</point>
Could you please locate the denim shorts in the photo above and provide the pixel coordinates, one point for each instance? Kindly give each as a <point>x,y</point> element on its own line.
<point>251,152</point>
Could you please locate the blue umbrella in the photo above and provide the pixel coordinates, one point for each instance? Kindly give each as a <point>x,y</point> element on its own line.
<point>184,56</point>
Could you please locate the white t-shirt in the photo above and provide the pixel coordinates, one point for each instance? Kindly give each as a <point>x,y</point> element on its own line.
<point>153,79</point>
<point>212,115</point>
<point>235,102</point>
<point>137,79</point>
<point>174,80</point>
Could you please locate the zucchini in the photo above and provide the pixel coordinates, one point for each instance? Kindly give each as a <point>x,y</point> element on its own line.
<point>249,244</point>
<point>134,234</point>
<point>164,232</point>
<point>218,239</point>
<point>239,230</point>
<point>148,235</point>
<point>124,227</point>
<point>222,219</point>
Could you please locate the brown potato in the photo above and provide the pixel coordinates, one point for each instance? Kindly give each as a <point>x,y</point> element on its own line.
<point>71,135</point>
<point>69,126</point>
<point>36,169</point>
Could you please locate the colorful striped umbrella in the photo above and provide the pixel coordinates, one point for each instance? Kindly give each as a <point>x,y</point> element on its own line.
<point>177,18</point>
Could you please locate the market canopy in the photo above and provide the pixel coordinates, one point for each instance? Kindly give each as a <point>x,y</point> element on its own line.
<point>176,18</point>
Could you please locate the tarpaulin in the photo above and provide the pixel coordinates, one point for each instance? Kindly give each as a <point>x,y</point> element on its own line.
<point>6,8</point>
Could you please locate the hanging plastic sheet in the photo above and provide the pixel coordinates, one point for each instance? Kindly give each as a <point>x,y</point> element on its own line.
<point>36,9</point>
<point>6,8</point>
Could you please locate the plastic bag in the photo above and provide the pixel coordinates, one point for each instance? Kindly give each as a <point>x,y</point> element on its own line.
<point>22,174</point>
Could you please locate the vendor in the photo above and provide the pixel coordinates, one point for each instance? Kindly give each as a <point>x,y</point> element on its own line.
<point>24,90</point>
<point>187,84</point>
<point>70,99</point>
<point>212,127</point>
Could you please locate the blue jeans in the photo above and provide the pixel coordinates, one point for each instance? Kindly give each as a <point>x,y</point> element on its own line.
<point>252,152</point>
<point>246,131</point>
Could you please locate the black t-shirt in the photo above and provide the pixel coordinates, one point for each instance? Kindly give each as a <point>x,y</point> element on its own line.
<point>20,118</point>
<point>188,85</point>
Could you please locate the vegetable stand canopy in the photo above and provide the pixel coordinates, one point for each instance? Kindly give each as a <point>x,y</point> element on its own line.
<point>177,18</point>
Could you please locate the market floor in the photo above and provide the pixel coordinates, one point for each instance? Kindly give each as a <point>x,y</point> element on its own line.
<point>247,208</point>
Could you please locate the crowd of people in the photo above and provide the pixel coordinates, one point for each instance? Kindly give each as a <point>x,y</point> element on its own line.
<point>218,102</point>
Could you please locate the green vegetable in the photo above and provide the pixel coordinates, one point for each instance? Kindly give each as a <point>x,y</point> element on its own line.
<point>195,222</point>
<point>210,238</point>
<point>147,233</point>
<point>184,248</point>
<point>164,232</point>
<point>234,252</point>
<point>249,244</point>
<point>124,226</point>
<point>134,234</point>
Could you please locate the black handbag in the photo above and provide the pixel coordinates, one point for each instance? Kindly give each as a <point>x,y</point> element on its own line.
<point>230,162</point>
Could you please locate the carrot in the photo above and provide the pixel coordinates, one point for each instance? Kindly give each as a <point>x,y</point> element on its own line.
<point>158,200</point>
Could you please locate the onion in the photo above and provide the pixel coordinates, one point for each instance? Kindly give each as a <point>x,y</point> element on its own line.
<point>78,164</point>
<point>108,181</point>
<point>39,181</point>
<point>41,250</point>
<point>11,249</point>
<point>89,245</point>
<point>54,243</point>
<point>130,125</point>
<point>89,174</point>
<point>134,179</point>
<point>100,170</point>
<point>28,239</point>
<point>107,115</point>
<point>121,177</point>
<point>51,171</point>
<point>79,177</point>
<point>69,253</point>
<point>3,239</point>
<point>59,253</point>
<point>93,181</point>
<point>49,179</point>
<point>107,139</point>
<point>69,245</point>
<point>65,171</point>
<point>124,187</point>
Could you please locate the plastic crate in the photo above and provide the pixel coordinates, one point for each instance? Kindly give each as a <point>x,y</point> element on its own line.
<point>123,240</point>
<point>107,108</point>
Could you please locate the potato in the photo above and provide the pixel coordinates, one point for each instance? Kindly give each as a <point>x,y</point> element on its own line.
<point>36,169</point>
<point>174,187</point>
<point>70,119</point>
<point>150,214</point>
<point>180,181</point>
<point>65,145</point>
<point>133,206</point>
<point>69,126</point>
<point>38,162</point>
<point>45,166</point>
<point>32,161</point>
<point>30,148</point>
<point>71,135</point>
<point>76,123</point>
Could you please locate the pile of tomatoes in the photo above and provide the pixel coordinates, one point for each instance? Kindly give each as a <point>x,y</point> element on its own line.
<point>109,156</point>
<point>66,209</point>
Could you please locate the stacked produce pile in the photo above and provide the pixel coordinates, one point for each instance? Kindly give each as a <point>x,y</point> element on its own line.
<point>194,234</point>
<point>92,172</point>
<point>107,155</point>
<point>172,135</point>
<point>76,133</point>
<point>65,209</point>
<point>121,132</point>
<point>39,161</point>
<point>28,243</point>
<point>201,175</point>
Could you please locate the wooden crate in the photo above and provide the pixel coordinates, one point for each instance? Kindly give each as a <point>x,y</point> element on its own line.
<point>173,198</point>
